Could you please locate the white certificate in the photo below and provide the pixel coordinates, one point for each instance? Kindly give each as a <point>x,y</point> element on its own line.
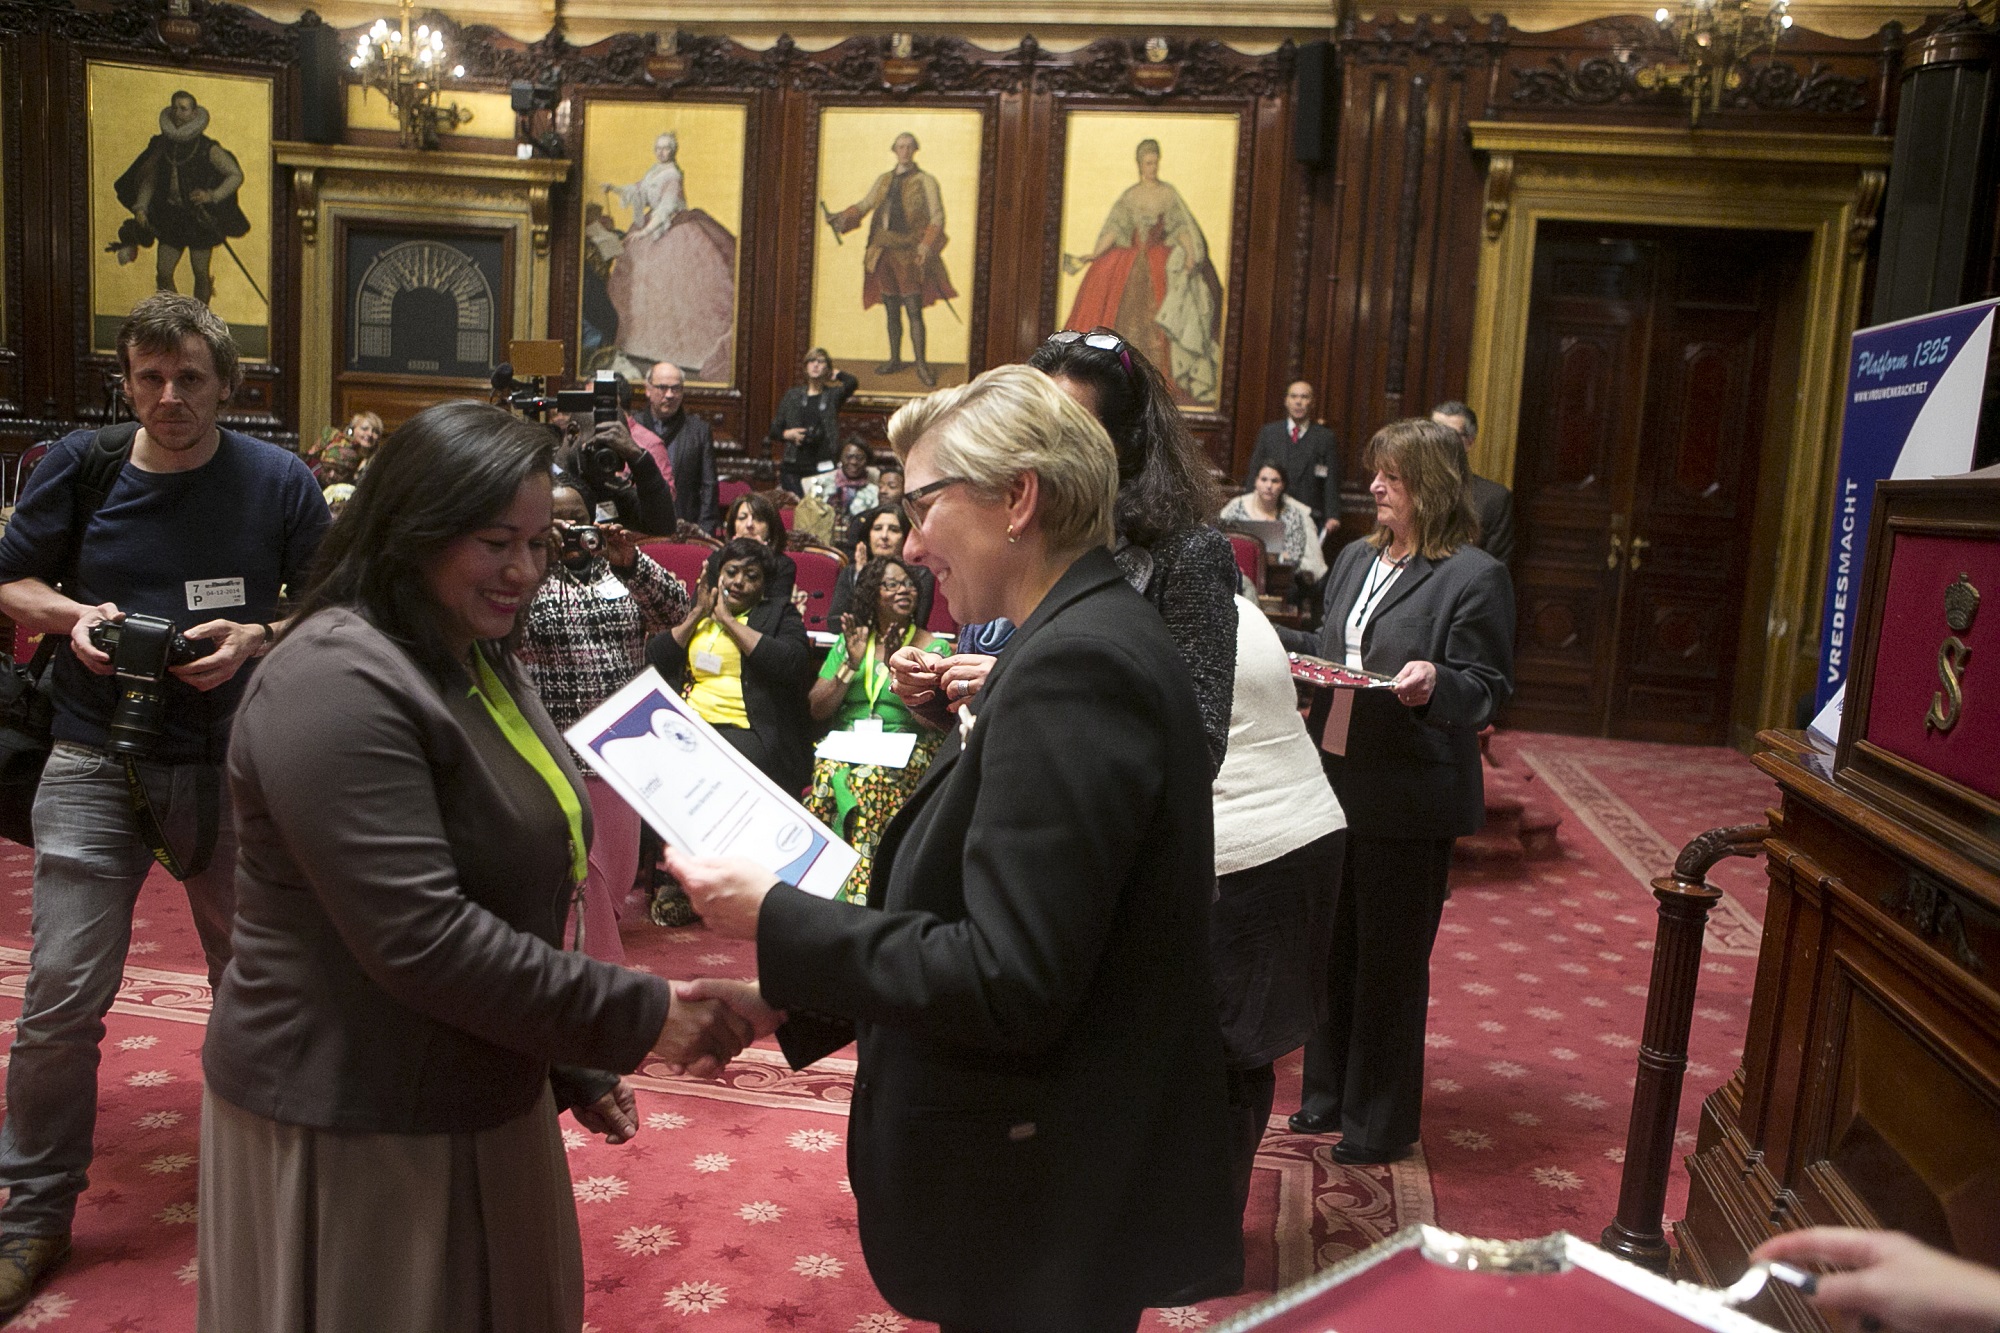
<point>700,792</point>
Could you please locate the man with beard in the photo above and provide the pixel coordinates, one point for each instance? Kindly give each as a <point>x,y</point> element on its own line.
<point>182,193</point>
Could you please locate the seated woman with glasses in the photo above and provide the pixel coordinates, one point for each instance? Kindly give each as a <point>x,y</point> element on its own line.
<point>742,660</point>
<point>858,800</point>
<point>877,534</point>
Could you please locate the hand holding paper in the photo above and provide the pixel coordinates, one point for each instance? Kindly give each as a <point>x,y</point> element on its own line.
<point>728,891</point>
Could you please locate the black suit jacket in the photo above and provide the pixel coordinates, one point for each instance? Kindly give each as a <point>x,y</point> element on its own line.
<point>1039,1122</point>
<point>776,677</point>
<point>1317,448</point>
<point>691,451</point>
<point>1494,504</point>
<point>1414,772</point>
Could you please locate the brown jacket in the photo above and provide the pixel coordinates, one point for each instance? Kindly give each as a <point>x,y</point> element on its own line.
<point>400,893</point>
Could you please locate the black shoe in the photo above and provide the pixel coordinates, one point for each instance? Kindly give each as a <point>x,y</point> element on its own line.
<point>1353,1154</point>
<point>1311,1122</point>
<point>925,375</point>
<point>890,367</point>
<point>25,1263</point>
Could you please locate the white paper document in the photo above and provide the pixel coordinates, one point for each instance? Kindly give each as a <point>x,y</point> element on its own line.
<point>699,791</point>
<point>883,749</point>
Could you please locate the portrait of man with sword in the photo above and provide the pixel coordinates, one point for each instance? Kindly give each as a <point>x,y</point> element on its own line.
<point>901,267</point>
<point>182,193</point>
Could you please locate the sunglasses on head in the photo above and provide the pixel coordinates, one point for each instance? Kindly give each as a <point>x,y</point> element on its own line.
<point>1100,339</point>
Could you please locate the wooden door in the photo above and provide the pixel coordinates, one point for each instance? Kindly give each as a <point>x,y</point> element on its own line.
<point>1642,415</point>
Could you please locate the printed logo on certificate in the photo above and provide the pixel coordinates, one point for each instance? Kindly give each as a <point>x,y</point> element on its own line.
<point>699,791</point>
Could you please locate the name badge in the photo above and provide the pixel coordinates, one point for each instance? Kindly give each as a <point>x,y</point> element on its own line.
<point>607,512</point>
<point>214,594</point>
<point>824,466</point>
<point>869,726</point>
<point>1319,470</point>
<point>710,663</point>
<point>610,589</point>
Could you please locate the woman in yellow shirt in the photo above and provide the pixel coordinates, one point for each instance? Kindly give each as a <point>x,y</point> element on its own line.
<point>742,660</point>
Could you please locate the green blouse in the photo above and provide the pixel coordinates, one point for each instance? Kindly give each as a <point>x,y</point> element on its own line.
<point>869,693</point>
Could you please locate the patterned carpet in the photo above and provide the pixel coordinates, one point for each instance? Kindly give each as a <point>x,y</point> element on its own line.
<point>730,1211</point>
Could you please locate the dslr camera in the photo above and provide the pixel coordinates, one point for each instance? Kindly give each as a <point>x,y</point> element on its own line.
<point>141,649</point>
<point>604,401</point>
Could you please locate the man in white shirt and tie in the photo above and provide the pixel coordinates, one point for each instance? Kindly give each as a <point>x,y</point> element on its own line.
<point>1308,454</point>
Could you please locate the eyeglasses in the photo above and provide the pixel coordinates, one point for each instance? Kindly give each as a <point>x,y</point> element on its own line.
<point>917,504</point>
<point>1100,339</point>
<point>889,585</point>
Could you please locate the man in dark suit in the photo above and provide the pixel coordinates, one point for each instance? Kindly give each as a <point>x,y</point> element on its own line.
<point>1493,502</point>
<point>682,445</point>
<point>1309,455</point>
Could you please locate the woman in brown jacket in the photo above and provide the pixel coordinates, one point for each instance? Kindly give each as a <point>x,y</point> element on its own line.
<point>386,1055</point>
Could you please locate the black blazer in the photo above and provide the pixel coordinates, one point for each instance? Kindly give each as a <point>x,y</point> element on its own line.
<point>1494,504</point>
<point>1039,1121</point>
<point>1317,448</point>
<point>691,452</point>
<point>1414,772</point>
<point>776,677</point>
<point>822,441</point>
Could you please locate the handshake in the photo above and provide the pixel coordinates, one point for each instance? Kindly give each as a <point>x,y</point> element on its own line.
<point>709,1022</point>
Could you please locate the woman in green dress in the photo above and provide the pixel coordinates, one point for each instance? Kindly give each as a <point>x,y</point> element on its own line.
<point>853,693</point>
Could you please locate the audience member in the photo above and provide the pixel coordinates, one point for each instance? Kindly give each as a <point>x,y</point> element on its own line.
<point>378,1143</point>
<point>173,518</point>
<point>1492,503</point>
<point>889,486</point>
<point>358,441</point>
<point>1269,500</point>
<point>338,463</point>
<point>848,489</point>
<point>756,516</point>
<point>878,533</point>
<point>1309,455</point>
<point>1039,1135</point>
<point>584,637</point>
<point>857,801</point>
<point>681,444</point>
<point>742,660</point>
<point>808,421</point>
<point>620,481</point>
<point>1891,1281</point>
<point>337,496</point>
<point>1418,601</point>
<point>1279,839</point>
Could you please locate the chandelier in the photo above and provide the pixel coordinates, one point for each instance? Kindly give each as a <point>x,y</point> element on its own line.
<point>409,71</point>
<point>1716,39</point>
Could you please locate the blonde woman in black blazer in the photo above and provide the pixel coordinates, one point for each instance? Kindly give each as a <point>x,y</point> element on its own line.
<point>1418,601</point>
<point>1039,1137</point>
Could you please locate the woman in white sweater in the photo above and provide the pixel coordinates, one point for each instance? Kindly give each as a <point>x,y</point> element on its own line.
<point>1279,835</point>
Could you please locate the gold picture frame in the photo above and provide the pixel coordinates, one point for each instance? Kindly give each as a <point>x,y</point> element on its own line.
<point>885,269</point>
<point>180,195</point>
<point>1146,247</point>
<point>662,201</point>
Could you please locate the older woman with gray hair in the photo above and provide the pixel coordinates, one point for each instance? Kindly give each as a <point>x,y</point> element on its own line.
<point>1039,1136</point>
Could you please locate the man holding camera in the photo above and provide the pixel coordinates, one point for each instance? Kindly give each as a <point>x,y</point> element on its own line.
<point>620,481</point>
<point>133,534</point>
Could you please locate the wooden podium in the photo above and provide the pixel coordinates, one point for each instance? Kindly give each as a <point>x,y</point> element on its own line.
<point>1870,1088</point>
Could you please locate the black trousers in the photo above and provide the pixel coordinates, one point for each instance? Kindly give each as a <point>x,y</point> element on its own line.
<point>1367,1063</point>
<point>1119,1322</point>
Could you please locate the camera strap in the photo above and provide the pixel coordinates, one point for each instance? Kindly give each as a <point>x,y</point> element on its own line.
<point>207,819</point>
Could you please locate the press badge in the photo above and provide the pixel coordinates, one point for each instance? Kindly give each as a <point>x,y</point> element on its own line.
<point>214,594</point>
<point>711,663</point>
<point>607,512</point>
<point>610,589</point>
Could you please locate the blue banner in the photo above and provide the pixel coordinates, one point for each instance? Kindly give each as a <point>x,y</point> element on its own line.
<point>1913,390</point>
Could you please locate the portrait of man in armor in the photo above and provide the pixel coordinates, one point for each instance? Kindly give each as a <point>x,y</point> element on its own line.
<point>901,266</point>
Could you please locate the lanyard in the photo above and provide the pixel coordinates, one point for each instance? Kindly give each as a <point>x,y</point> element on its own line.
<point>873,676</point>
<point>1374,589</point>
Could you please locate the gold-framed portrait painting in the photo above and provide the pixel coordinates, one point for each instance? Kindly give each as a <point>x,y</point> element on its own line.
<point>896,239</point>
<point>180,196</point>
<point>1147,207</point>
<point>662,200</point>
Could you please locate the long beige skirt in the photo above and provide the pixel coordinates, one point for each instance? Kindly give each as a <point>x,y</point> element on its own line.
<point>318,1231</point>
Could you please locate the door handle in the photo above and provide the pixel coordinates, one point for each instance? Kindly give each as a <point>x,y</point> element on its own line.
<point>1639,544</point>
<point>1616,553</point>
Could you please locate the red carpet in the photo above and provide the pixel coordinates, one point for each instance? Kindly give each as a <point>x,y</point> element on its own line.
<point>730,1210</point>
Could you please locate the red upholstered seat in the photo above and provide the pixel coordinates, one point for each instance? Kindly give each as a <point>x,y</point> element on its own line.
<point>1249,558</point>
<point>819,570</point>
<point>729,490</point>
<point>681,559</point>
<point>941,621</point>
